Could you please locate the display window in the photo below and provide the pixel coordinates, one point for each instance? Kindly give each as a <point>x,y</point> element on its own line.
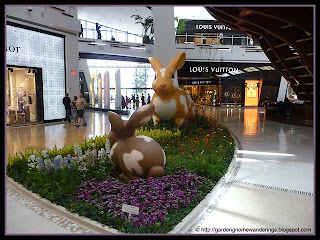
<point>21,96</point>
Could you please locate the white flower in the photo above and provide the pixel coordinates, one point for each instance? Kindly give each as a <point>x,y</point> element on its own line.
<point>32,161</point>
<point>77,149</point>
<point>107,147</point>
<point>45,154</point>
<point>93,145</point>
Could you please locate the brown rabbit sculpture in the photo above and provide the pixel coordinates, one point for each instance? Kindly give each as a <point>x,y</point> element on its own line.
<point>136,156</point>
<point>171,102</point>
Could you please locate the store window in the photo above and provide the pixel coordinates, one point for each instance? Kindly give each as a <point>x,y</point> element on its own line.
<point>21,96</point>
<point>136,78</point>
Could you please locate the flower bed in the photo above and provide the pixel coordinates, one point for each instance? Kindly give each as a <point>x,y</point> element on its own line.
<point>81,177</point>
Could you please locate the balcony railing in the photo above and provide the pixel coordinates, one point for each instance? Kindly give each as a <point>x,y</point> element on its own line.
<point>215,40</point>
<point>89,31</point>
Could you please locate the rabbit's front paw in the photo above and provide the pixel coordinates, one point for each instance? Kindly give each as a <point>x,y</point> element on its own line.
<point>155,119</point>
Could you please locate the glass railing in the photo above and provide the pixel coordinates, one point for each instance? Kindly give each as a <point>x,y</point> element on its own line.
<point>215,40</point>
<point>108,33</point>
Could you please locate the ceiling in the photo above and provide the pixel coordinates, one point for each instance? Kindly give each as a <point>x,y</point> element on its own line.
<point>286,39</point>
<point>119,16</point>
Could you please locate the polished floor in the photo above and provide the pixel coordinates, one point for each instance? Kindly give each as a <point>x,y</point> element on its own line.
<point>274,186</point>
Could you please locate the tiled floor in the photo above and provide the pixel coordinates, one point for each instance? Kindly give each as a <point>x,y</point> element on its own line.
<point>273,187</point>
<point>275,183</point>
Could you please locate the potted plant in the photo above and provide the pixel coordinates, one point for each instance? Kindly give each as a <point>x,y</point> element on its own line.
<point>147,23</point>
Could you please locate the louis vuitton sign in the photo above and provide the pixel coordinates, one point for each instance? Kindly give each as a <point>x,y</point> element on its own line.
<point>13,48</point>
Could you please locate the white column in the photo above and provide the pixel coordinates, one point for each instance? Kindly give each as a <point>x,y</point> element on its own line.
<point>99,90</point>
<point>282,89</point>
<point>118,90</point>
<point>106,90</point>
<point>92,86</point>
<point>164,34</point>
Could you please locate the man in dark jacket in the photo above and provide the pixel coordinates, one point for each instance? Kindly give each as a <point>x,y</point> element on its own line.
<point>66,102</point>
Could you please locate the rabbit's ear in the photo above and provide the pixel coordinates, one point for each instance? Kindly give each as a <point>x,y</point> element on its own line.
<point>140,117</point>
<point>117,124</point>
<point>177,62</point>
<point>155,63</point>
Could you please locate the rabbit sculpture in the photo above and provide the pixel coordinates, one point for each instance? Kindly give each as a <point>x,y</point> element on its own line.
<point>171,102</point>
<point>136,156</point>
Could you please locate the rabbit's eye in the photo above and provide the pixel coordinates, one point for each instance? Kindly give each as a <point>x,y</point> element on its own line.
<point>172,76</point>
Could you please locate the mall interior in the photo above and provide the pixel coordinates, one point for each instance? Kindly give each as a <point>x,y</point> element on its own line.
<point>251,69</point>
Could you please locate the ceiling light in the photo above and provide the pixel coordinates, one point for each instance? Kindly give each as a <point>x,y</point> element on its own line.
<point>94,43</point>
<point>138,47</point>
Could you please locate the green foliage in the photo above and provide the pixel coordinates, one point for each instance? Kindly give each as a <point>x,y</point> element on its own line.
<point>158,133</point>
<point>146,23</point>
<point>140,80</point>
<point>181,26</point>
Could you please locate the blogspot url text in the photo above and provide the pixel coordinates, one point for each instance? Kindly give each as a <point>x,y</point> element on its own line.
<point>252,230</point>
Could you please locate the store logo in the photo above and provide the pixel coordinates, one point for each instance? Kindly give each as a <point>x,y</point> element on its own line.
<point>200,26</point>
<point>12,49</point>
<point>213,69</point>
<point>210,26</point>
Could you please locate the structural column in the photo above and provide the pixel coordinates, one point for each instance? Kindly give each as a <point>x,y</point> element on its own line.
<point>92,90</point>
<point>106,90</point>
<point>164,33</point>
<point>118,90</point>
<point>99,90</point>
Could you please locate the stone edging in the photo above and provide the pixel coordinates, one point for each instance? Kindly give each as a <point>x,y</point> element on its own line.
<point>84,222</point>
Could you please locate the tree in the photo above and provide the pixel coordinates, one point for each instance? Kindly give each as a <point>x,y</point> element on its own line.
<point>181,25</point>
<point>140,81</point>
<point>146,23</point>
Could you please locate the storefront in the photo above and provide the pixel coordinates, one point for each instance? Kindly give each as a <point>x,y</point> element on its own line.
<point>208,32</point>
<point>223,83</point>
<point>35,84</point>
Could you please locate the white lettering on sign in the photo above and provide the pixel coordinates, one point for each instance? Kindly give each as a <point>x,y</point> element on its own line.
<point>130,209</point>
<point>213,69</point>
<point>209,27</point>
<point>200,26</point>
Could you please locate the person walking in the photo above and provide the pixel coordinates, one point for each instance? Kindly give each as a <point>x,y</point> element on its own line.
<point>148,98</point>
<point>142,100</point>
<point>74,110</point>
<point>133,101</point>
<point>127,102</point>
<point>137,101</point>
<point>98,30</point>
<point>81,105</point>
<point>221,38</point>
<point>66,102</point>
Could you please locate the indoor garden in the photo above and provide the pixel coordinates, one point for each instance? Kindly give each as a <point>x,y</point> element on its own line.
<point>82,178</point>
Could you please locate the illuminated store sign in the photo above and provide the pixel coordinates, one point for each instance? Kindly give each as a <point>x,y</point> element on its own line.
<point>213,69</point>
<point>206,26</point>
<point>43,51</point>
<point>212,26</point>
